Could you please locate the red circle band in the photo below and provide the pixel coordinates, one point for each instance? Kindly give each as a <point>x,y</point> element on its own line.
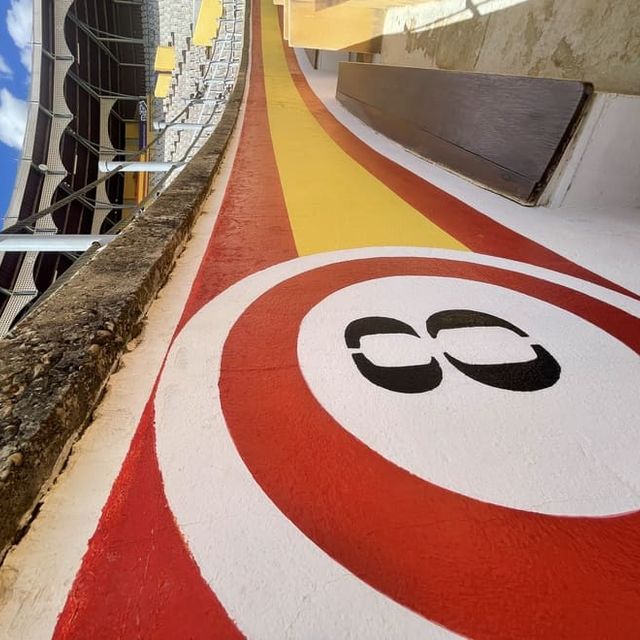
<point>480,569</point>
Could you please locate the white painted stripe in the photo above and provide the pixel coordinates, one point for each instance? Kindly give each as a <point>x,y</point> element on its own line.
<point>544,451</point>
<point>272,580</point>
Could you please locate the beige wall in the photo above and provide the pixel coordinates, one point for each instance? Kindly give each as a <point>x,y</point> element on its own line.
<point>592,40</point>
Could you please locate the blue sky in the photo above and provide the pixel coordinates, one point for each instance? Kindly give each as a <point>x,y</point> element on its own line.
<point>15,67</point>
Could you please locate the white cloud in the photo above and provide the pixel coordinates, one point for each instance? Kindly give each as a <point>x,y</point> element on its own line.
<point>19,21</point>
<point>5,69</point>
<point>13,119</point>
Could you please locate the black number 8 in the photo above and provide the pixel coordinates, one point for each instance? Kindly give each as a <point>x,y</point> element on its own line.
<point>541,372</point>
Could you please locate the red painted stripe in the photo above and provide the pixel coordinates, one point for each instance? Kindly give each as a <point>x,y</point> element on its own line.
<point>475,230</point>
<point>137,579</point>
<point>480,569</point>
<point>253,230</point>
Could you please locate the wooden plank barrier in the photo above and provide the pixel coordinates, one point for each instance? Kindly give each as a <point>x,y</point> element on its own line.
<point>504,132</point>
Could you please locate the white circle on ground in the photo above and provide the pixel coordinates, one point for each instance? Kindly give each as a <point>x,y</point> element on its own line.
<point>568,449</point>
<point>272,580</point>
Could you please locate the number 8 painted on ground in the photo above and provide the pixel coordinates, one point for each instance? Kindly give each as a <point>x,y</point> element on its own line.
<point>539,373</point>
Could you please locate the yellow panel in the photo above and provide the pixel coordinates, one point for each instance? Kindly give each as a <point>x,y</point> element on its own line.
<point>354,25</point>
<point>131,131</point>
<point>162,85</point>
<point>207,23</point>
<point>129,186</point>
<point>332,201</point>
<point>142,182</point>
<point>165,59</point>
<point>278,2</point>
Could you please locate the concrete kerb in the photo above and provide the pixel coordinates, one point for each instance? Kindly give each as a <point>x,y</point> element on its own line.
<point>55,364</point>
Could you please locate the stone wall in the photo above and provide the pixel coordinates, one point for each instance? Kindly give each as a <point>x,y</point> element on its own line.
<point>596,41</point>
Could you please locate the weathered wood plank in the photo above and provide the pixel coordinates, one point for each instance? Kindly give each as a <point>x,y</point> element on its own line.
<point>505,132</point>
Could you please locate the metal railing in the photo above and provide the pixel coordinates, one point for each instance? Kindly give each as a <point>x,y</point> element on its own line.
<point>211,94</point>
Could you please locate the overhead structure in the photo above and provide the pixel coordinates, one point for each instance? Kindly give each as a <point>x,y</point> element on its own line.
<point>355,25</point>
<point>208,44</point>
<point>89,74</point>
<point>96,66</point>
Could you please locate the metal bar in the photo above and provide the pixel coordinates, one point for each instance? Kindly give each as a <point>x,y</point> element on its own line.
<point>92,204</point>
<point>52,114</point>
<point>28,293</point>
<point>24,222</point>
<point>58,243</point>
<point>94,90</point>
<point>121,39</point>
<point>84,27</point>
<point>180,126</point>
<point>83,259</point>
<point>134,167</point>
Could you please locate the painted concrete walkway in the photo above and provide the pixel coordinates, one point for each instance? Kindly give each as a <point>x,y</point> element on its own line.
<point>361,409</point>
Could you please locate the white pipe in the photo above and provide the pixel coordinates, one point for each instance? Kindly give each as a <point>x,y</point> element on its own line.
<point>45,242</point>
<point>180,126</point>
<point>105,166</point>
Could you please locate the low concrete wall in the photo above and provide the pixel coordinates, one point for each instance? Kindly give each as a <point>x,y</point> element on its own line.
<point>601,167</point>
<point>54,365</point>
<point>596,41</point>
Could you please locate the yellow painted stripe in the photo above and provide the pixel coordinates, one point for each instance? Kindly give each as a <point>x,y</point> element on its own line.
<point>333,202</point>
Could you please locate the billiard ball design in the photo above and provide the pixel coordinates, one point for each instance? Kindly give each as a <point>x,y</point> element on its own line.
<point>393,441</point>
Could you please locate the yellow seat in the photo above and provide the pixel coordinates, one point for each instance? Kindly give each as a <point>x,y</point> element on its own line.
<point>163,82</point>
<point>165,59</point>
<point>206,27</point>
